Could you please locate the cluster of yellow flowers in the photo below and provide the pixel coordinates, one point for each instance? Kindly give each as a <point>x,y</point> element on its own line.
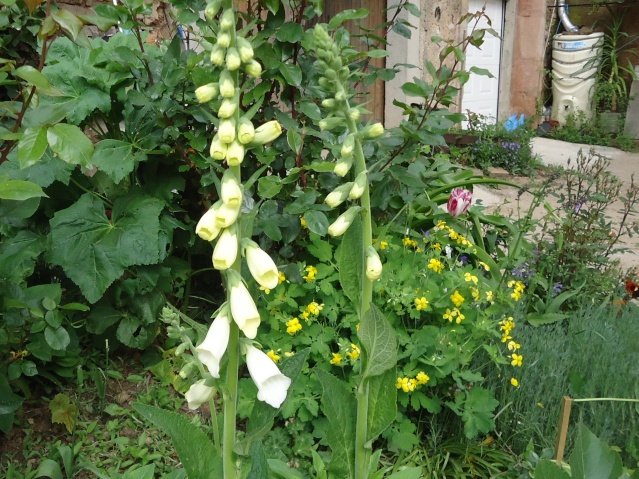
<point>312,309</point>
<point>421,303</point>
<point>506,326</point>
<point>353,353</point>
<point>293,326</point>
<point>409,242</point>
<point>454,314</point>
<point>410,384</point>
<point>276,357</point>
<point>452,234</point>
<point>436,265</point>
<point>518,289</point>
<point>311,271</point>
<point>457,299</point>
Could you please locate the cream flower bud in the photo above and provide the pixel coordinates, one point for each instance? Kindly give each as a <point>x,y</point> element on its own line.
<point>267,132</point>
<point>218,148</point>
<point>226,215</point>
<point>245,131</point>
<point>206,93</point>
<point>329,103</point>
<point>207,228</point>
<point>214,346</point>
<point>359,185</point>
<point>233,61</point>
<point>348,145</point>
<point>343,166</point>
<point>245,49</point>
<point>228,106</point>
<point>338,195</point>
<point>341,224</point>
<point>261,265</point>
<point>231,191</point>
<point>223,40</point>
<point>235,154</point>
<point>217,55</point>
<point>373,131</point>
<point>272,385</point>
<point>330,123</point>
<point>243,309</point>
<point>198,394</point>
<point>373,264</point>
<point>354,114</point>
<point>225,251</point>
<point>253,68</point>
<point>212,8</point>
<point>227,85</point>
<point>227,20</point>
<point>341,96</point>
<point>226,131</point>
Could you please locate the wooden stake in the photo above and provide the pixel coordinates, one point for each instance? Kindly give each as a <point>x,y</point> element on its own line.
<point>564,418</point>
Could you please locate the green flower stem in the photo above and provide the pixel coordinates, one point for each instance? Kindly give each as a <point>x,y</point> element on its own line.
<point>230,402</point>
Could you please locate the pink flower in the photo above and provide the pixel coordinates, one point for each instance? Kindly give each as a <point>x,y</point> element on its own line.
<point>459,201</point>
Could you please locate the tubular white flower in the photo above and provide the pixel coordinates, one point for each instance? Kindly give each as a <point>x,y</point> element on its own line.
<point>253,68</point>
<point>207,92</point>
<point>233,61</point>
<point>343,166</point>
<point>227,85</point>
<point>225,251</point>
<point>226,215</point>
<point>235,153</point>
<point>338,195</point>
<point>214,346</point>
<point>243,309</point>
<point>261,265</point>
<point>223,40</point>
<point>218,148</point>
<point>217,55</point>
<point>341,224</point>
<point>226,131</point>
<point>349,144</point>
<point>227,21</point>
<point>207,228</point>
<point>373,264</point>
<point>359,186</point>
<point>228,107</point>
<point>267,132</point>
<point>373,131</point>
<point>245,131</point>
<point>271,384</point>
<point>245,49</point>
<point>231,191</point>
<point>198,394</point>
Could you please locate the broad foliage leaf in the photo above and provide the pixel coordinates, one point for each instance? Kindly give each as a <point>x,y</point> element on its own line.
<point>378,339</point>
<point>350,261</point>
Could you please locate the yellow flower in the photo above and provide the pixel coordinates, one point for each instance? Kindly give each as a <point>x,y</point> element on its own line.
<point>409,242</point>
<point>452,234</point>
<point>475,293</point>
<point>306,316</point>
<point>274,356</point>
<point>441,224</point>
<point>311,272</point>
<point>484,265</point>
<point>288,354</point>
<point>314,308</point>
<point>383,245</point>
<point>470,277</point>
<point>436,265</point>
<point>266,290</point>
<point>459,317</point>
<point>513,346</point>
<point>293,326</point>
<point>514,382</point>
<point>422,378</point>
<point>450,315</point>
<point>489,296</point>
<point>406,384</point>
<point>506,337</point>
<point>517,359</point>
<point>437,246</point>
<point>421,303</point>
<point>337,359</point>
<point>419,250</point>
<point>516,295</point>
<point>354,352</point>
<point>457,298</point>
<point>507,325</point>
<point>281,278</point>
<point>303,222</point>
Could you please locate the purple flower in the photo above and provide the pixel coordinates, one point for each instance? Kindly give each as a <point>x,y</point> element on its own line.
<point>558,288</point>
<point>459,201</point>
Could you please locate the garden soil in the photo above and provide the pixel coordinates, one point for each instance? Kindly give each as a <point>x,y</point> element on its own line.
<point>509,202</point>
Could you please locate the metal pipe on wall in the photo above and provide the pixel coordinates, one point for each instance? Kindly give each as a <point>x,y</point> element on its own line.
<point>563,15</point>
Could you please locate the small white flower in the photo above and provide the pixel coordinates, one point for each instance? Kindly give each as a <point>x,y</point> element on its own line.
<point>246,49</point>
<point>261,265</point>
<point>218,148</point>
<point>231,192</point>
<point>235,154</point>
<point>206,92</point>
<point>228,107</point>
<point>343,166</point>
<point>338,195</point>
<point>245,131</point>
<point>233,60</point>
<point>207,228</point>
<point>198,394</point>
<point>359,186</point>
<point>226,215</point>
<point>253,68</point>
<point>267,132</point>
<point>243,309</point>
<point>341,224</point>
<point>226,131</point>
<point>373,264</point>
<point>213,347</point>
<point>225,252</point>
<point>227,85</point>
<point>271,384</point>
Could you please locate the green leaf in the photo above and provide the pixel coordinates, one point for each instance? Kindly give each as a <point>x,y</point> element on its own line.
<point>290,32</point>
<point>70,24</point>
<point>269,186</point>
<point>9,402</point>
<point>102,23</point>
<point>322,250</point>
<point>537,319</point>
<point>57,338</point>
<point>340,409</point>
<point>116,158</point>
<point>70,144</point>
<point>94,251</point>
<point>37,79</point>
<point>32,146</point>
<point>62,411</point>
<point>410,473</point>
<point>49,468</point>
<point>18,190</point>
<point>196,451</point>
<point>144,472</point>
<point>378,338</point>
<point>478,411</point>
<point>259,465</point>
<point>382,402</point>
<point>280,470</point>
<point>592,458</point>
<point>294,140</point>
<point>291,73</point>
<point>317,222</point>
<point>347,15</point>
<point>547,469</point>
<point>349,256</point>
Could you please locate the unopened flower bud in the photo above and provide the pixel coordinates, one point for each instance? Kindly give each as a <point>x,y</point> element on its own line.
<point>206,93</point>
<point>218,148</point>
<point>225,252</point>
<point>341,224</point>
<point>179,351</point>
<point>329,103</point>
<point>228,106</point>
<point>348,145</point>
<point>245,131</point>
<point>233,61</point>
<point>330,123</point>
<point>235,154</point>
<point>373,131</point>
<point>187,369</point>
<point>267,132</point>
<point>231,191</point>
<point>253,68</point>
<point>359,186</point>
<point>217,55</point>
<point>323,82</point>
<point>207,228</point>
<point>354,114</point>
<point>223,40</point>
<point>343,166</point>
<point>243,309</point>
<point>330,74</point>
<point>459,201</point>
<point>245,49</point>
<point>373,264</point>
<point>338,195</point>
<point>341,96</point>
<point>344,73</point>
<point>227,86</point>
<point>227,20</point>
<point>198,394</point>
<point>226,215</point>
<point>212,8</point>
<point>226,131</point>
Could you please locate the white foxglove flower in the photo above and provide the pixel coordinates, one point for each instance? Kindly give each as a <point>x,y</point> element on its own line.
<point>373,131</point>
<point>228,107</point>
<point>225,251</point>
<point>373,264</point>
<point>217,55</point>
<point>272,385</point>
<point>198,394</point>
<point>267,132</point>
<point>226,215</point>
<point>261,265</point>
<point>243,309</point>
<point>206,92</point>
<point>214,346</point>
<point>361,181</point>
<point>245,49</point>
<point>343,166</point>
<point>338,195</point>
<point>235,154</point>
<point>223,40</point>
<point>226,131</point>
<point>231,191</point>
<point>245,131</point>
<point>233,60</point>
<point>207,228</point>
<point>218,148</point>
<point>349,144</point>
<point>227,85</point>
<point>253,69</point>
<point>341,224</point>
<point>227,20</point>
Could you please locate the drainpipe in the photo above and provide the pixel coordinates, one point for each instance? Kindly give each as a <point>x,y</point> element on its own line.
<point>563,15</point>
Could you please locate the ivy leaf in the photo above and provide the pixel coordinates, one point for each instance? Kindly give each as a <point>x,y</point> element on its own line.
<point>378,338</point>
<point>116,158</point>
<point>70,144</point>
<point>94,251</point>
<point>62,411</point>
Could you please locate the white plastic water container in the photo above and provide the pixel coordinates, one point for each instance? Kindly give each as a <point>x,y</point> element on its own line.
<point>575,59</point>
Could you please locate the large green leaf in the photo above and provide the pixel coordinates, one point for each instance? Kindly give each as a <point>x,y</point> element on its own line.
<point>378,338</point>
<point>94,251</point>
<point>32,146</point>
<point>70,144</point>
<point>42,173</point>
<point>116,158</point>
<point>382,403</point>
<point>478,411</point>
<point>340,408</point>
<point>37,79</point>
<point>18,190</point>
<point>350,262</point>
<point>196,451</point>
<point>18,255</point>
<point>593,459</point>
<point>547,469</point>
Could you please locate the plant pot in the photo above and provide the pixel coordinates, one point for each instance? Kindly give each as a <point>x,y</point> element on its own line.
<point>610,121</point>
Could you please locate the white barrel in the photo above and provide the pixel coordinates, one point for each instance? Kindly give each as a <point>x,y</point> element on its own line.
<point>575,59</point>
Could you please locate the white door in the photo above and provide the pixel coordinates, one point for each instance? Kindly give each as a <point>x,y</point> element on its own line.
<point>481,94</point>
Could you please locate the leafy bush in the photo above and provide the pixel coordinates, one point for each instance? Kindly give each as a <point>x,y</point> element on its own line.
<point>578,129</point>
